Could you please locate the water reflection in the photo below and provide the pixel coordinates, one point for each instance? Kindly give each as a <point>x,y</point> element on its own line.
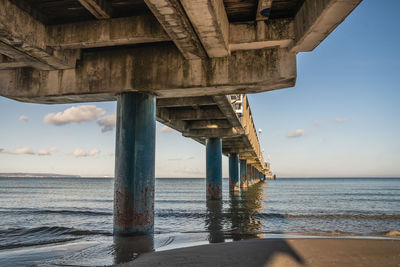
<point>241,218</point>
<point>128,248</point>
<point>214,221</point>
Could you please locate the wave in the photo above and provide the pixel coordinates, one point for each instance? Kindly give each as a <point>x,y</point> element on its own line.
<point>50,230</point>
<point>331,216</point>
<point>51,211</point>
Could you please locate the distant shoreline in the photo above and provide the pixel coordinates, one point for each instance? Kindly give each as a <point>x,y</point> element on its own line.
<point>53,175</point>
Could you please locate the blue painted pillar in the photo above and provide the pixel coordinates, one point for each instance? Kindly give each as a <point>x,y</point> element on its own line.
<point>243,173</point>
<point>233,172</point>
<point>214,168</point>
<point>248,176</point>
<point>134,164</point>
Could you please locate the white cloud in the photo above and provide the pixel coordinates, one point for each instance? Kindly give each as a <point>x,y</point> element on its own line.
<point>46,152</point>
<point>79,152</point>
<point>93,152</point>
<point>107,122</point>
<point>23,151</point>
<point>341,120</point>
<point>24,118</point>
<point>167,129</point>
<point>294,134</point>
<point>74,114</point>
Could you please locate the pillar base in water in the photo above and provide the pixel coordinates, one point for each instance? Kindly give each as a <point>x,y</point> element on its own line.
<point>134,164</point>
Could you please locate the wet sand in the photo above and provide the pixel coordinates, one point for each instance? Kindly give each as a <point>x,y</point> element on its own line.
<point>323,252</point>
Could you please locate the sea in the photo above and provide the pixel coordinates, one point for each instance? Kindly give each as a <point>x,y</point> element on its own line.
<point>57,221</point>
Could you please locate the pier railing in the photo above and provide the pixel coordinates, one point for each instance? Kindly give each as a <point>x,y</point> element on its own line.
<point>240,104</point>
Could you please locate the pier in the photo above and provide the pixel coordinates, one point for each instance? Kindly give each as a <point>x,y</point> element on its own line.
<point>188,64</point>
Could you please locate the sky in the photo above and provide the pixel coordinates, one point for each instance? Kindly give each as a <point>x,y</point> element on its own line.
<point>342,119</point>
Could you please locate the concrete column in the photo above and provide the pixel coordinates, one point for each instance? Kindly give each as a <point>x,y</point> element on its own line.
<point>248,175</point>
<point>233,172</point>
<point>134,164</point>
<point>214,168</point>
<point>243,173</point>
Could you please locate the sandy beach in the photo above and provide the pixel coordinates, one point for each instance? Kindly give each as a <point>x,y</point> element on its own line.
<point>280,252</point>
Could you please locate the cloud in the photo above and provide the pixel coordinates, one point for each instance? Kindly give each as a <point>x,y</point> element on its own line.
<point>24,118</point>
<point>23,151</point>
<point>294,134</point>
<point>341,120</point>
<point>107,122</point>
<point>79,152</point>
<point>47,152</point>
<point>167,129</point>
<point>111,154</point>
<point>74,114</point>
<point>317,122</point>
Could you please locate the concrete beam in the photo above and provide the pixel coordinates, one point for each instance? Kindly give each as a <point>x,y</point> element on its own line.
<point>226,108</point>
<point>211,24</point>
<point>185,101</point>
<point>98,8</point>
<point>235,150</point>
<point>199,114</point>
<point>13,65</point>
<point>173,18</point>
<point>316,19</point>
<point>263,9</point>
<point>111,32</point>
<point>209,124</point>
<point>212,133</point>
<point>100,76</point>
<point>274,33</point>
<point>25,38</point>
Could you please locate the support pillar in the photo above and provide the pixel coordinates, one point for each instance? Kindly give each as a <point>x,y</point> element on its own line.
<point>134,164</point>
<point>243,173</point>
<point>248,171</point>
<point>214,168</point>
<point>233,172</point>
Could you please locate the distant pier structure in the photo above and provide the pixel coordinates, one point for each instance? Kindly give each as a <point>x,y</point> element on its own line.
<point>188,64</point>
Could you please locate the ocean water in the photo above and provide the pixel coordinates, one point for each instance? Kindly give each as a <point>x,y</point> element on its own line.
<point>68,221</point>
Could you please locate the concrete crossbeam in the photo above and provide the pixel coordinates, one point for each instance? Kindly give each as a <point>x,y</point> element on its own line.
<point>316,19</point>
<point>100,76</point>
<point>185,101</point>
<point>225,106</point>
<point>212,133</point>
<point>98,8</point>
<point>209,124</point>
<point>174,20</point>
<point>263,9</point>
<point>211,24</point>
<point>111,32</point>
<point>199,114</point>
<point>275,33</point>
<point>24,36</point>
<point>13,65</point>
